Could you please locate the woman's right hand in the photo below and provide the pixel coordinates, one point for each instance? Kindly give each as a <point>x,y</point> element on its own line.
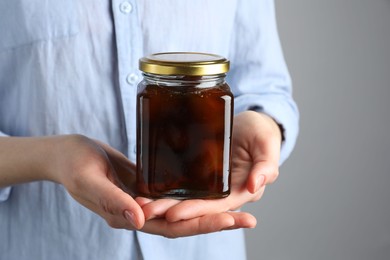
<point>96,176</point>
<point>88,169</point>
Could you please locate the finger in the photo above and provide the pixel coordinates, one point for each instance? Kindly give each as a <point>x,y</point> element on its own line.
<point>116,206</point>
<point>118,203</point>
<point>142,201</point>
<point>114,221</point>
<point>202,225</point>
<point>158,208</point>
<point>242,220</point>
<point>265,154</point>
<point>189,209</point>
<point>262,173</point>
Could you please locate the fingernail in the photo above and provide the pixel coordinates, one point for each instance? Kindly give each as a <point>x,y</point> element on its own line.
<point>130,217</point>
<point>260,182</point>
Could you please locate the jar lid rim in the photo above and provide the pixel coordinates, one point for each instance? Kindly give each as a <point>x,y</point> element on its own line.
<point>184,63</point>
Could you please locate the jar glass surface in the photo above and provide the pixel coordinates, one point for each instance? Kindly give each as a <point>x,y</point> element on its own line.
<point>184,126</point>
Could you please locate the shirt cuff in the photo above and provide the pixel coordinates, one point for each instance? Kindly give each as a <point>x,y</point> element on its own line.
<point>4,192</point>
<point>284,113</point>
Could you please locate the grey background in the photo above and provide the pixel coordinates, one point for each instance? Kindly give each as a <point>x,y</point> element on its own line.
<point>331,200</point>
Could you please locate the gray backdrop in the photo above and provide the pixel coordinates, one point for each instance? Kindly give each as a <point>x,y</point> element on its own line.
<point>331,200</point>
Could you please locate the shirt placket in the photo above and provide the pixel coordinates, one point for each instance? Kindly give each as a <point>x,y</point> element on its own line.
<point>129,50</point>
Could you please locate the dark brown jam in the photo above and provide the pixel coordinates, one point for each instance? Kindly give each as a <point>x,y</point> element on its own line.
<point>184,138</point>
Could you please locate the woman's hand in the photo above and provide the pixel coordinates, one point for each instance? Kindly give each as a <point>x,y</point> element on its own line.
<point>91,171</point>
<point>94,174</point>
<point>255,163</point>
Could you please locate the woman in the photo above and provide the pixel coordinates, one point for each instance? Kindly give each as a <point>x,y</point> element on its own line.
<point>68,84</point>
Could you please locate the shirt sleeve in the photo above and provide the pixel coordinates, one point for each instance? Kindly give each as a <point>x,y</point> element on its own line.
<point>6,191</point>
<point>259,76</point>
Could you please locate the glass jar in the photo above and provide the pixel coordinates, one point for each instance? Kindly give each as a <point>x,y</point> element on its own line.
<point>184,126</point>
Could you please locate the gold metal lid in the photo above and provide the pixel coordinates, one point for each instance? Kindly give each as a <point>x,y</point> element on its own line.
<point>184,63</point>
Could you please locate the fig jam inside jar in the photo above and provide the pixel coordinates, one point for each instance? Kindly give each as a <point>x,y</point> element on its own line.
<point>184,126</point>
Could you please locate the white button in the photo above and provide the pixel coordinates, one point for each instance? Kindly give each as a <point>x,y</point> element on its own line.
<point>132,78</point>
<point>126,7</point>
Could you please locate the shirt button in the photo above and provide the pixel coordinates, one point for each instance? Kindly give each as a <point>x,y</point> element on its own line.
<point>132,78</point>
<point>126,7</point>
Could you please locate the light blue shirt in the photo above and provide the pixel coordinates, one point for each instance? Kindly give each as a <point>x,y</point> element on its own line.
<point>72,67</point>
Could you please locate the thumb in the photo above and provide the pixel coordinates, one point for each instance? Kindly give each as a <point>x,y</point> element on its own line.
<point>106,199</point>
<point>120,208</point>
<point>262,173</point>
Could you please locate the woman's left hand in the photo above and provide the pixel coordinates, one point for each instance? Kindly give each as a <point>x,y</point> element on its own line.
<point>255,163</point>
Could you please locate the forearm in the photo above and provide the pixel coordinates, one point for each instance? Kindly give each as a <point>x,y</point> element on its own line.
<point>24,159</point>
<point>259,77</point>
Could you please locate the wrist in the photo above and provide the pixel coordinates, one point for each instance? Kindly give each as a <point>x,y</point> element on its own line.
<point>258,120</point>
<point>51,152</point>
<point>24,159</point>
<point>276,128</point>
<point>58,164</point>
